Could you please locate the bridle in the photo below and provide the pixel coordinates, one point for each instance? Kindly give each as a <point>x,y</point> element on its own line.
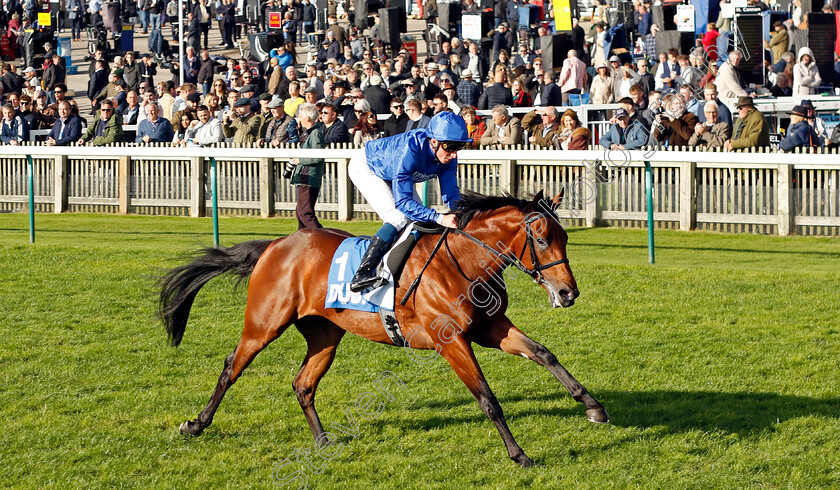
<point>514,260</point>
<point>507,259</point>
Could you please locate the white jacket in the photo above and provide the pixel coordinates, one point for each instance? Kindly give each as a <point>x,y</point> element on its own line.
<point>728,83</point>
<point>205,134</point>
<point>806,78</point>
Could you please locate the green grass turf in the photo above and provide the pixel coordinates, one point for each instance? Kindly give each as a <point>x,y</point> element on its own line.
<point>718,364</point>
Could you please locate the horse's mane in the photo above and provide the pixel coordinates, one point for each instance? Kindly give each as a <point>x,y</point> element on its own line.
<point>472,203</point>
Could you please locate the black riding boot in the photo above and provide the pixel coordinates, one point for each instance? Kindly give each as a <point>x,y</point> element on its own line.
<point>365,278</point>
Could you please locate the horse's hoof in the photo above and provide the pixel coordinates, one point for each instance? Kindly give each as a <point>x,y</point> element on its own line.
<point>523,460</point>
<point>598,415</point>
<point>190,428</point>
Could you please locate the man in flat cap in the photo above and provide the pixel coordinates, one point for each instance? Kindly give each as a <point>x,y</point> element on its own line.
<point>241,124</point>
<point>751,128</point>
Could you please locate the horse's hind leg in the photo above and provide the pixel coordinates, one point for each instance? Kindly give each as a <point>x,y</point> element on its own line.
<point>502,334</point>
<point>322,338</point>
<point>461,357</point>
<point>254,339</point>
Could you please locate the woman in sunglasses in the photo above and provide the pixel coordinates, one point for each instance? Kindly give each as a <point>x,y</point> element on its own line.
<point>385,172</point>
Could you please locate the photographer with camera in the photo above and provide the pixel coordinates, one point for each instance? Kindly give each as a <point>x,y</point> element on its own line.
<point>674,125</point>
<point>241,124</point>
<point>306,173</point>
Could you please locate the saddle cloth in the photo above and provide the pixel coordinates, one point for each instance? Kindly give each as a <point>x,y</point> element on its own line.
<point>345,262</point>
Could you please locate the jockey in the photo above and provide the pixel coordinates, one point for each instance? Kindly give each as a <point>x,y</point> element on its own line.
<point>385,173</point>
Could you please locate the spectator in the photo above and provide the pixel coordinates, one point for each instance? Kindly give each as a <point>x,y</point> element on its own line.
<point>357,105</point>
<point>281,128</point>
<point>98,81</point>
<point>467,90</point>
<point>10,81</point>
<point>710,95</point>
<point>166,99</point>
<point>274,77</point>
<point>500,40</point>
<point>181,102</point>
<point>806,75</point>
<point>147,70</point>
<point>440,103</point>
<point>542,125</point>
<point>107,128</point>
<point>67,129</point>
<point>728,80</point>
<point>132,108</point>
<point>799,133</point>
<point>778,43</point>
<point>573,136</point>
<point>455,103</point>
<point>335,131</point>
<point>33,119</point>
<point>310,95</point>
<point>782,87</point>
<point>477,63</point>
<point>377,97</point>
<point>131,72</point>
<point>711,133</point>
<point>149,97</point>
<point>205,129</point>
<point>496,94</point>
<point>816,122</point>
<point>193,100</point>
<point>14,130</point>
<point>503,60</point>
<point>367,129</point>
<point>690,73</point>
<point>600,92</point>
<point>674,125</point>
<point>645,20</point>
<point>417,118</point>
<point>396,123</point>
<point>572,76</point>
<point>154,129</point>
<point>203,13</point>
<point>206,72</point>
<point>626,134</point>
<point>521,98</point>
<point>475,126</point>
<point>524,58</point>
<point>295,100</point>
<point>751,129</point>
<point>709,42</point>
<point>241,124</point>
<point>503,129</point>
<point>645,78</point>
<point>308,172</point>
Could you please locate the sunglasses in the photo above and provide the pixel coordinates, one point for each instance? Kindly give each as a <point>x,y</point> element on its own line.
<point>453,146</point>
<point>396,107</point>
<point>327,113</point>
<point>105,110</point>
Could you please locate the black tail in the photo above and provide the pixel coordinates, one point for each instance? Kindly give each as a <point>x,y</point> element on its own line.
<point>180,285</point>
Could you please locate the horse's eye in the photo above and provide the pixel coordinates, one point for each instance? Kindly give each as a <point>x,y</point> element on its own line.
<point>542,242</point>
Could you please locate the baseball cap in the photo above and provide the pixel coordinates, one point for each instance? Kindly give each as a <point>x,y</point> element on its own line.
<point>622,113</point>
<point>194,97</point>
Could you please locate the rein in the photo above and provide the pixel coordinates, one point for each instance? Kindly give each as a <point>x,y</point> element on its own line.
<point>507,259</point>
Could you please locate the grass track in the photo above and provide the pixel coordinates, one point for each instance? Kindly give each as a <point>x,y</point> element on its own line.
<point>719,366</point>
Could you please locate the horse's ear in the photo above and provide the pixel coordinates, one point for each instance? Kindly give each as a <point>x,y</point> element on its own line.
<point>556,200</point>
<point>539,196</point>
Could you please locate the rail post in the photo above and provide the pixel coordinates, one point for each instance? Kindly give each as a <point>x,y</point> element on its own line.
<point>214,189</point>
<point>649,193</point>
<point>31,189</point>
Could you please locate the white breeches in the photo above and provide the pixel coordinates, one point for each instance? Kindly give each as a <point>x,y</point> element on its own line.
<point>378,192</point>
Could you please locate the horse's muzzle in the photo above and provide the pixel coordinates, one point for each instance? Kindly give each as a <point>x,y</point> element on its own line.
<point>563,298</point>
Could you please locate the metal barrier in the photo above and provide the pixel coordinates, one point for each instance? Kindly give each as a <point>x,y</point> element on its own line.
<point>739,192</point>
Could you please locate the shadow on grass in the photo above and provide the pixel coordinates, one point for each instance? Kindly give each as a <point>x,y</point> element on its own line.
<point>742,414</point>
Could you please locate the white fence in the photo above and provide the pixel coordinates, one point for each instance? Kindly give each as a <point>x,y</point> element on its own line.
<point>739,192</point>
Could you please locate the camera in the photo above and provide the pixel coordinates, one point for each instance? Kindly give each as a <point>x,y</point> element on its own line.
<point>287,172</point>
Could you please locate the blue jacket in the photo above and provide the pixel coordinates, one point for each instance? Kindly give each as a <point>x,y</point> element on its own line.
<point>17,130</point>
<point>800,135</point>
<point>160,132</point>
<point>644,24</point>
<point>406,159</point>
<point>634,137</point>
<point>72,132</point>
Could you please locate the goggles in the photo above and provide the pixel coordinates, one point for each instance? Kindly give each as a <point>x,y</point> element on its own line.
<point>453,146</point>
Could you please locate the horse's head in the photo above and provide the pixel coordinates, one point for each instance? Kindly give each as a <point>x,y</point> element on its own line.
<point>544,250</point>
<point>527,235</point>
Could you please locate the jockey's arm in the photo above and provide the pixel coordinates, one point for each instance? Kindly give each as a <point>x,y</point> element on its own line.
<point>403,187</point>
<point>448,180</point>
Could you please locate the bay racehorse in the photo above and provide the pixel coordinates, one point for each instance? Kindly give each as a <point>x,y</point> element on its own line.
<point>288,284</point>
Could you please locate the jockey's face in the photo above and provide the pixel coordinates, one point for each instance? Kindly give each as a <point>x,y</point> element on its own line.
<point>442,155</point>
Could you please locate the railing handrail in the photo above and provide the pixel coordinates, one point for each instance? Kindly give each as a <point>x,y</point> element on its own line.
<point>614,158</point>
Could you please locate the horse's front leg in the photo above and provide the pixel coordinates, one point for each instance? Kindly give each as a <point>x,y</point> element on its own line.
<point>458,352</point>
<point>502,334</point>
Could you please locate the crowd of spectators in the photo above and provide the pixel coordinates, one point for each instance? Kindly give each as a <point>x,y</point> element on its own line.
<point>667,98</point>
